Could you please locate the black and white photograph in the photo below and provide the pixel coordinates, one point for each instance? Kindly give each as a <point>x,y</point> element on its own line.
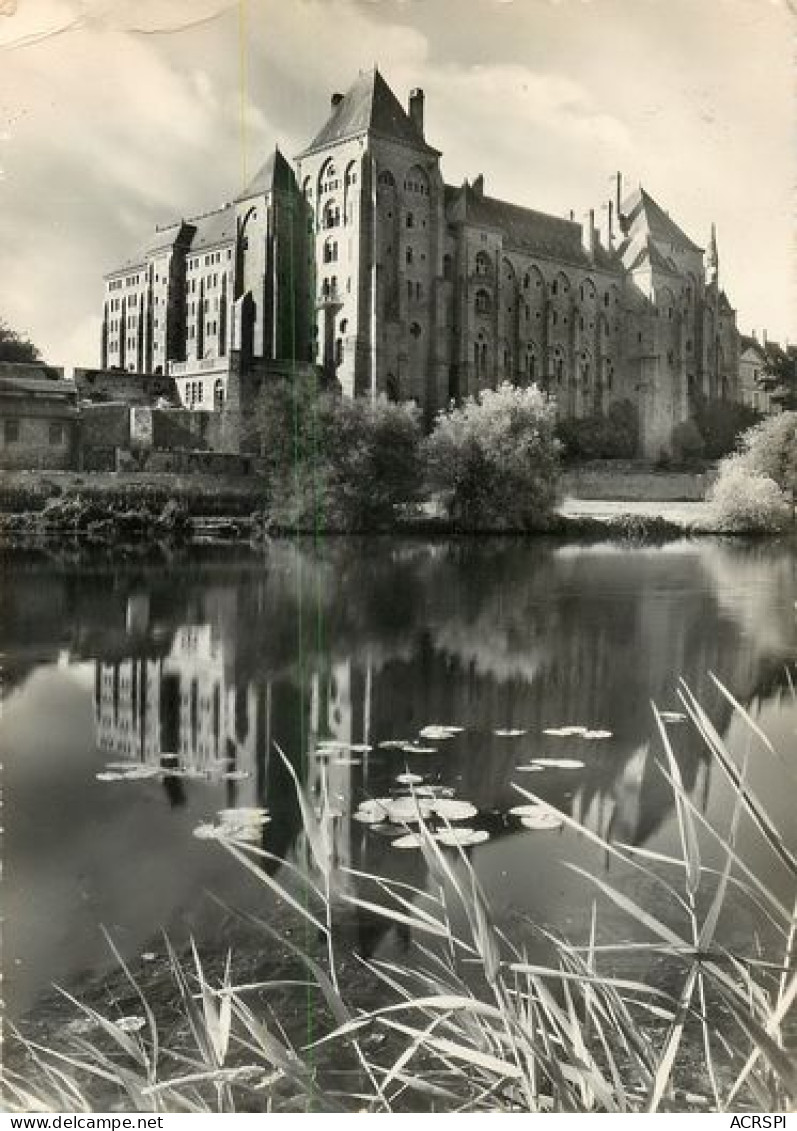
<point>398,558</point>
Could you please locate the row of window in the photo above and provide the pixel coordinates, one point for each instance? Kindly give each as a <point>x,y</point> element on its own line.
<point>194,392</point>
<point>56,432</point>
<point>209,260</point>
<point>211,328</point>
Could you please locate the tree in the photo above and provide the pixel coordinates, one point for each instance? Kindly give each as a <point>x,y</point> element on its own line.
<point>495,460</point>
<point>721,423</point>
<point>767,459</point>
<point>15,347</point>
<point>336,463</point>
<point>780,371</point>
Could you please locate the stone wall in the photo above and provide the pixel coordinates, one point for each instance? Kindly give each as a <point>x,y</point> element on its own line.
<point>37,442</point>
<point>627,483</point>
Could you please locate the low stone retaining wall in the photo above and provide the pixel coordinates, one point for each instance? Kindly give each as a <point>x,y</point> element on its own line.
<point>636,484</point>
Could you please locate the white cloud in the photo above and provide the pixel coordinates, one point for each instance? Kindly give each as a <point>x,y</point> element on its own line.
<point>124,121</point>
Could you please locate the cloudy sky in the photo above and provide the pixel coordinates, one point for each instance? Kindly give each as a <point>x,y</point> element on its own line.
<point>116,115</point>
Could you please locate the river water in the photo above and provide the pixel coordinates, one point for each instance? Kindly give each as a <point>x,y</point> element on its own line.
<point>194,667</point>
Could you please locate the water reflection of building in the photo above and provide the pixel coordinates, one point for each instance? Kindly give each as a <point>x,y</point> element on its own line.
<point>485,637</point>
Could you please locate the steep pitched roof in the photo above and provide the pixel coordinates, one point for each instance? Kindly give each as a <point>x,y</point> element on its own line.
<point>274,173</point>
<point>749,343</point>
<point>641,210</point>
<point>369,106</point>
<point>213,228</point>
<point>649,254</point>
<point>528,230</point>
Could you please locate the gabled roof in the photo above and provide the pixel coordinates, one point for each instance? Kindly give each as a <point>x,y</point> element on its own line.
<point>748,343</point>
<point>369,106</point>
<point>649,255</point>
<point>275,173</point>
<point>642,212</point>
<point>164,239</point>
<point>525,229</point>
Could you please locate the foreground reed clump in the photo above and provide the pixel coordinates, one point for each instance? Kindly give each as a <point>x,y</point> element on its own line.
<point>473,1020</point>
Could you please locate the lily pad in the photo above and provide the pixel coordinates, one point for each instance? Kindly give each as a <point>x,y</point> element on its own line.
<point>235,775</point>
<point>452,810</point>
<point>532,769</point>
<point>109,775</point>
<point>409,779</point>
<point>597,734</point>
<point>410,840</point>
<point>206,831</point>
<point>454,838</point>
<point>130,1024</point>
<point>672,716</point>
<point>414,748</point>
<point>509,733</point>
<point>408,810</point>
<point>248,816</point>
<point>542,821</point>
<point>348,762</point>
<point>372,811</point>
<point>559,763</point>
<point>440,733</point>
<point>565,732</point>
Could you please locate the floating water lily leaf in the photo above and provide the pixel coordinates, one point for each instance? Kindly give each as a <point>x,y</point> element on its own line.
<point>452,810</point>
<point>436,732</point>
<point>434,791</point>
<point>348,762</point>
<point>537,816</point>
<point>141,773</point>
<point>206,831</point>
<point>249,816</point>
<point>532,769</point>
<point>559,763</point>
<point>413,748</point>
<point>235,775</point>
<point>148,956</point>
<point>509,733</point>
<point>409,779</point>
<point>461,837</point>
<point>565,732</point>
<point>597,734</point>
<point>109,775</point>
<point>672,716</point>
<point>409,840</point>
<point>130,1024</point>
<point>542,821</point>
<point>408,810</point>
<point>372,810</point>
<point>393,744</point>
<point>121,765</point>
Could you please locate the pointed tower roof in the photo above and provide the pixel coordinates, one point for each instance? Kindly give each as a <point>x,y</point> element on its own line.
<point>369,106</point>
<point>274,173</point>
<point>642,212</point>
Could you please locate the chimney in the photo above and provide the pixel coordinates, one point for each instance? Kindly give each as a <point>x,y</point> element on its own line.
<point>336,100</point>
<point>478,185</point>
<point>764,337</point>
<point>416,109</point>
<point>589,237</point>
<point>754,335</point>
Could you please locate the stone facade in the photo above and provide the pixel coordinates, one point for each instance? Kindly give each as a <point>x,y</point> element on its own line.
<point>38,417</point>
<point>367,263</point>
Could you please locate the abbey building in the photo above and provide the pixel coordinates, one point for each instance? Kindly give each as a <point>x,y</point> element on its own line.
<point>360,259</point>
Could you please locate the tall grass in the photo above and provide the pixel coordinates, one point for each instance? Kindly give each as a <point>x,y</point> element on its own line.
<point>474,1020</point>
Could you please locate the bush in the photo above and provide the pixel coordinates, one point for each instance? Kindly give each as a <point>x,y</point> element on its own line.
<point>721,423</point>
<point>757,486</point>
<point>495,460</point>
<point>747,500</point>
<point>613,436</point>
<point>337,464</point>
<point>687,442</point>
